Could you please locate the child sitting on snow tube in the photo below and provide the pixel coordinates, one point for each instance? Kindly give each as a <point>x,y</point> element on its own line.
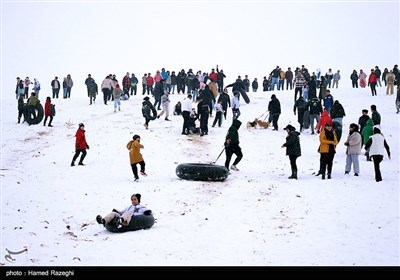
<point>133,217</point>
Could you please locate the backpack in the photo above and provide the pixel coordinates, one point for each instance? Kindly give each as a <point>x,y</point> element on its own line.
<point>53,109</point>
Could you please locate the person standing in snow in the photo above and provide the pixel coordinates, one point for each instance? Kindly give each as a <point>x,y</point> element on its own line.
<point>327,149</point>
<point>376,144</point>
<point>353,144</point>
<point>293,149</point>
<point>80,145</point>
<point>47,111</point>
<point>232,145</point>
<point>36,87</point>
<point>136,157</point>
<point>274,108</point>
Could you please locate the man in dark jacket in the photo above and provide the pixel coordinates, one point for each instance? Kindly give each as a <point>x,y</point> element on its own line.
<point>274,108</point>
<point>293,149</point>
<point>232,145</point>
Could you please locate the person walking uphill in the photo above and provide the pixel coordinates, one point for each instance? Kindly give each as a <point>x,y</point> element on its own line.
<point>136,157</point>
<point>293,149</point>
<point>232,145</point>
<point>80,145</point>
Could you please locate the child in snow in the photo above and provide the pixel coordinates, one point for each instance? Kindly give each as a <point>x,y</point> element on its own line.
<point>122,218</point>
<point>136,157</point>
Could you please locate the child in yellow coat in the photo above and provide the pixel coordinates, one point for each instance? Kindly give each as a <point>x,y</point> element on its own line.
<point>136,157</point>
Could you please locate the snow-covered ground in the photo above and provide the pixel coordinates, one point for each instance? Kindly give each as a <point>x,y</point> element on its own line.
<point>257,217</point>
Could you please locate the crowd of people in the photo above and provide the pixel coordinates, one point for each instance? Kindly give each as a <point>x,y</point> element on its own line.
<point>314,106</point>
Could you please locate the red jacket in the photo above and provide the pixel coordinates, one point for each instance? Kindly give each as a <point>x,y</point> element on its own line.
<point>213,76</point>
<point>80,143</point>
<point>47,111</point>
<point>372,78</point>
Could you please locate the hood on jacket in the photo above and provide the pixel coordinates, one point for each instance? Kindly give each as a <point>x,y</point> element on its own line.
<point>237,123</point>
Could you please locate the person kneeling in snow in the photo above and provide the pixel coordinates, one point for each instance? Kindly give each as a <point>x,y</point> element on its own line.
<point>122,218</point>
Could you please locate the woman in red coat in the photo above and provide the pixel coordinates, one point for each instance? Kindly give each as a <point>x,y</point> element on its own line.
<point>80,145</point>
<point>47,111</point>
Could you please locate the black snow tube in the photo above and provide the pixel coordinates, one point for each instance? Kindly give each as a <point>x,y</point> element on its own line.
<point>201,172</point>
<point>33,114</point>
<point>152,113</point>
<point>136,223</point>
<point>245,96</point>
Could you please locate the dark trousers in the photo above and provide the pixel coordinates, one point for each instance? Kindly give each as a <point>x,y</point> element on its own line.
<point>77,152</point>
<point>293,165</point>
<point>20,113</point>
<point>146,121</point>
<point>133,89</point>
<point>289,83</point>
<point>45,120</point>
<point>92,97</point>
<point>326,163</point>
<point>135,170</point>
<point>229,151</point>
<point>275,119</point>
<point>377,160</point>
<point>220,85</point>
<point>204,123</point>
<point>150,90</point>
<point>297,90</point>
<point>55,92</point>
<point>186,116</point>
<point>68,92</point>
<point>144,89</point>
<point>106,93</point>
<point>373,88</point>
<point>218,118</point>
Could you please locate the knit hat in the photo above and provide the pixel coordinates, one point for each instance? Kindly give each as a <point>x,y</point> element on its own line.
<point>135,137</point>
<point>146,98</point>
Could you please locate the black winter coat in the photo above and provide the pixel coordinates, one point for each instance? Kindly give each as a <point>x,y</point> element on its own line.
<point>293,144</point>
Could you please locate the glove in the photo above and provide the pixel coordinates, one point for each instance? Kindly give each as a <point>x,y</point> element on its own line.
<point>147,212</point>
<point>87,146</point>
<point>346,143</point>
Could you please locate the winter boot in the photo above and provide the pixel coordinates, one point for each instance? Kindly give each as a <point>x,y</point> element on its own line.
<point>294,175</point>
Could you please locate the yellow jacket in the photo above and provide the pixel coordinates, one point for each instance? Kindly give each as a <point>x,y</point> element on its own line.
<point>324,146</point>
<point>134,151</point>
